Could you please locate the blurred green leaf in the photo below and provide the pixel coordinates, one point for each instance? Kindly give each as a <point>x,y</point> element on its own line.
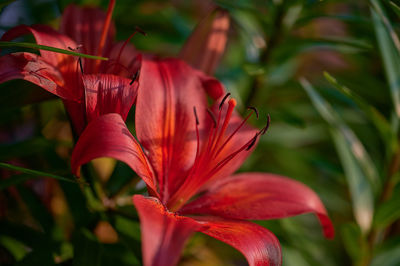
<point>380,122</point>
<point>359,170</point>
<point>39,174</point>
<point>351,235</point>
<point>389,46</point>
<point>395,7</point>
<point>388,212</point>
<point>48,48</point>
<point>388,255</point>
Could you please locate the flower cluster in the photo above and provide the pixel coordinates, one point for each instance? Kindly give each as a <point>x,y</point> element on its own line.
<point>185,150</point>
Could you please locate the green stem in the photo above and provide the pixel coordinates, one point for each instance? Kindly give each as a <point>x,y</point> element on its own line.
<point>274,39</point>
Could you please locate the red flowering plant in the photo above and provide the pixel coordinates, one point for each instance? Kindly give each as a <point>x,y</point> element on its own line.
<point>186,154</point>
<point>88,87</point>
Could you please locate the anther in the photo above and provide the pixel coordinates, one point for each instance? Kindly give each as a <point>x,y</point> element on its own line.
<point>212,117</point>
<point>254,109</point>
<point>135,76</point>
<point>80,65</point>
<point>264,130</point>
<point>140,31</point>
<point>195,115</point>
<point>253,141</point>
<point>223,100</point>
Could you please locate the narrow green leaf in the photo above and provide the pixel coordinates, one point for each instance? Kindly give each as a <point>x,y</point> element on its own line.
<point>389,46</point>
<point>388,212</point>
<point>359,169</point>
<point>379,121</point>
<point>388,255</point>
<point>36,174</point>
<point>48,48</point>
<point>395,8</point>
<point>361,192</point>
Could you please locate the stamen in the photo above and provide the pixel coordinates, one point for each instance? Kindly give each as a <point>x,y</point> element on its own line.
<point>253,141</point>
<point>235,131</point>
<point>223,100</point>
<point>212,117</point>
<point>135,77</point>
<point>195,115</point>
<point>138,29</point>
<point>254,109</point>
<point>264,130</point>
<point>80,65</point>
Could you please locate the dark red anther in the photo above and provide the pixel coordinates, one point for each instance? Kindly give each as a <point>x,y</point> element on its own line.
<point>223,100</point>
<point>135,77</point>
<point>253,141</point>
<point>210,113</point>
<point>254,109</point>
<point>195,115</point>
<point>264,130</point>
<point>80,65</point>
<point>140,31</point>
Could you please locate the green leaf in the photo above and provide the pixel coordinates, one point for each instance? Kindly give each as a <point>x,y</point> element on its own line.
<point>48,48</point>
<point>359,170</point>
<point>395,8</point>
<point>39,174</point>
<point>379,121</point>
<point>388,255</point>
<point>389,46</point>
<point>388,212</point>
<point>351,236</point>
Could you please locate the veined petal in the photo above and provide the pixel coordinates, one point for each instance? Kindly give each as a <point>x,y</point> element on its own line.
<point>258,245</point>
<point>108,136</point>
<point>259,196</point>
<point>85,26</point>
<point>163,233</point>
<point>33,68</point>
<point>206,45</point>
<point>106,93</point>
<point>165,122</point>
<point>45,35</point>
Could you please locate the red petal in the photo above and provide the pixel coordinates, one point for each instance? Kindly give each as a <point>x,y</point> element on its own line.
<point>258,196</point>
<point>105,93</point>
<point>258,245</point>
<point>32,68</point>
<point>206,45</point>
<point>163,233</point>
<point>108,136</point>
<point>45,35</point>
<point>213,87</point>
<point>165,123</point>
<point>85,25</point>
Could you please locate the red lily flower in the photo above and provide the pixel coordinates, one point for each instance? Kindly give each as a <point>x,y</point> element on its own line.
<point>186,149</point>
<point>87,87</point>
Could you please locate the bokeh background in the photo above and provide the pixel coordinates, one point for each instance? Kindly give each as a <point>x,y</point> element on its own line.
<point>328,73</point>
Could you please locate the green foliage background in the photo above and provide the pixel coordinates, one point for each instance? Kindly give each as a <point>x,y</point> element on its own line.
<point>328,73</point>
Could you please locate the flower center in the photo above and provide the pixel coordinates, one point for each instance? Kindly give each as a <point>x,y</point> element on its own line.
<point>218,150</point>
